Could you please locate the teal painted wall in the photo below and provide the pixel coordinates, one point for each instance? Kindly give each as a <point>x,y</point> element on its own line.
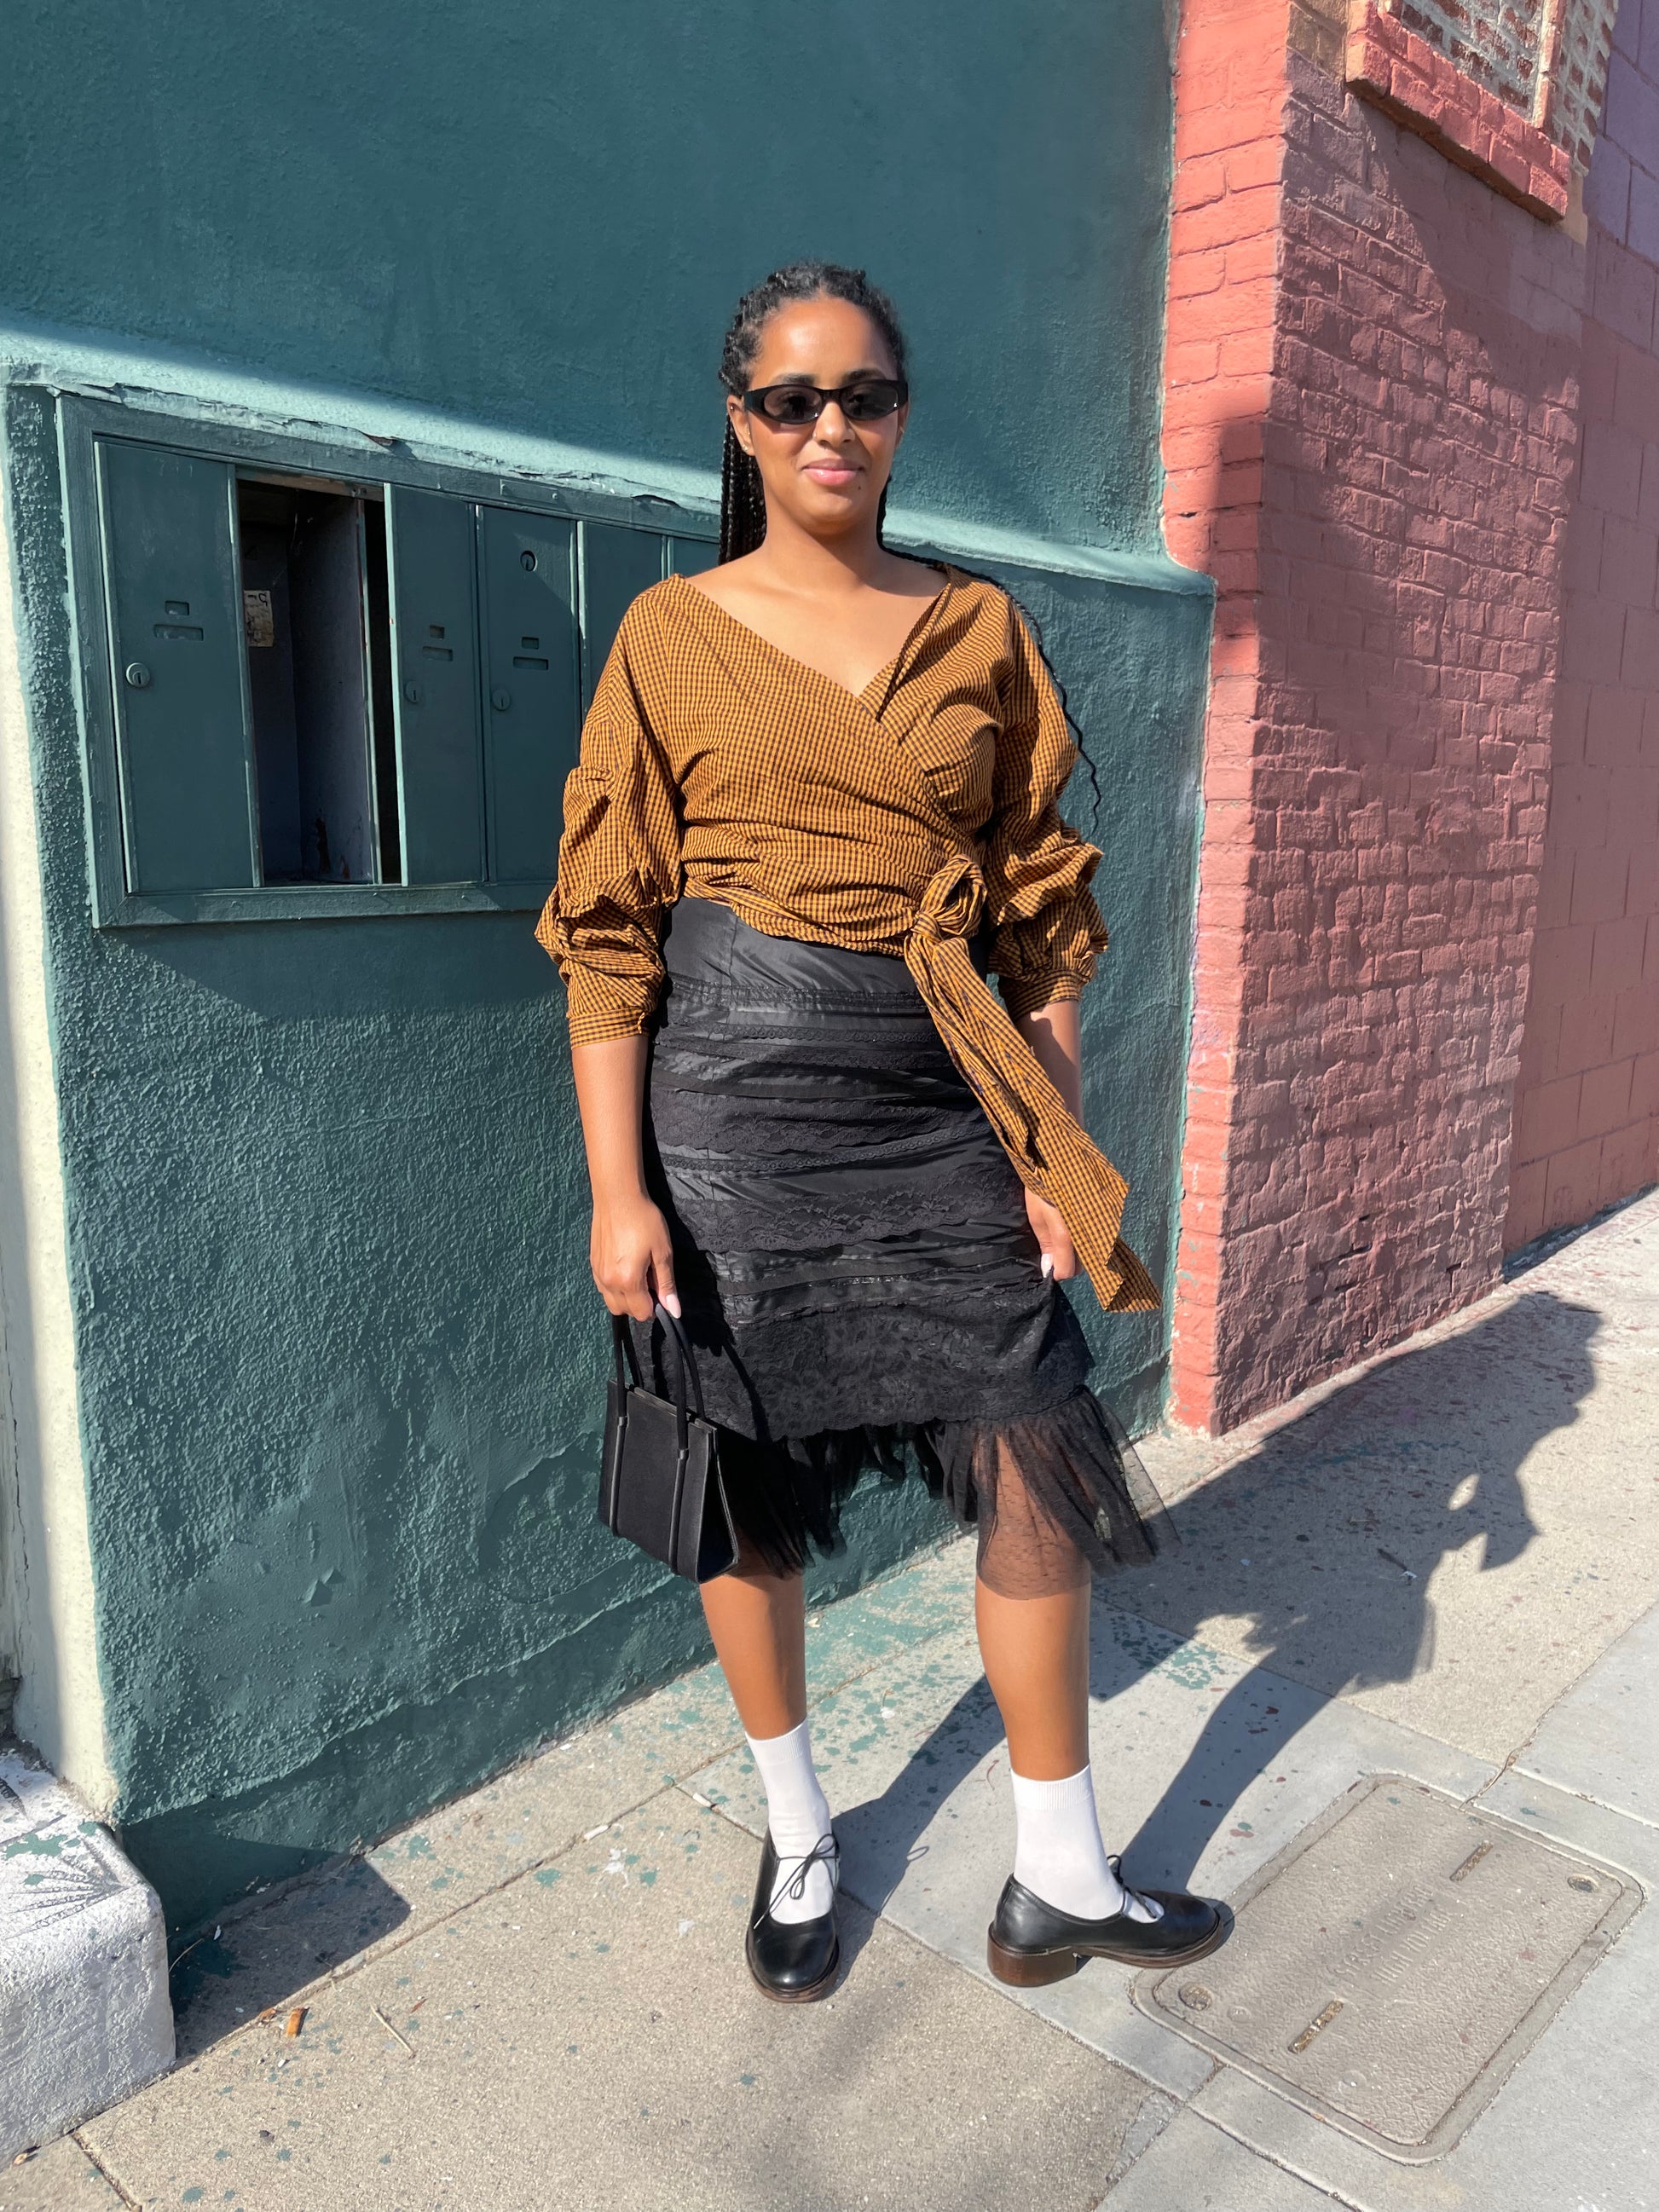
<point>522,211</point>
<point>339,1357</point>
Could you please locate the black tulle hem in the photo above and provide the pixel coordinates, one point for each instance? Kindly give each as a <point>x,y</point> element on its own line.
<point>1041,1492</point>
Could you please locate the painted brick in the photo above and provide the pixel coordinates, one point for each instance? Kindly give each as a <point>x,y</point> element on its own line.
<point>1606,189</point>
<point>1526,1213</point>
<point>1574,1179</point>
<point>1598,894</point>
<point>1630,1160</point>
<point>1623,291</point>
<point>1617,963</point>
<point>1603,829</point>
<point>1611,733</point>
<point>1397,696</point>
<point>1561,961</point>
<point>1430,92</point>
<point>1604,1099</point>
<point>1644,1085</point>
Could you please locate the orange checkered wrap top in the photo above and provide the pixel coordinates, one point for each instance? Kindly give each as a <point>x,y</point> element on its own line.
<point>714,765</point>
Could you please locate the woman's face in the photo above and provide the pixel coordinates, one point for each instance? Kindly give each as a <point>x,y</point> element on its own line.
<point>828,476</point>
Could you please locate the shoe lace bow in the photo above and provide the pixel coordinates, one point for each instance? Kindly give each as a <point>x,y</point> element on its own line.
<point>823,1852</point>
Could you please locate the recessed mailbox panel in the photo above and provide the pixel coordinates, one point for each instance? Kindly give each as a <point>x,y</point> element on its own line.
<point>526,567</point>
<point>434,665</point>
<point>175,622</point>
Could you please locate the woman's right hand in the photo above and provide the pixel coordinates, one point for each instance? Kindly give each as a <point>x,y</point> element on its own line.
<point>632,1256</point>
<point>629,1248</point>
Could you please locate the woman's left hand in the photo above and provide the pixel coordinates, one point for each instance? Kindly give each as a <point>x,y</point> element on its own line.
<point>1053,1234</point>
<point>1054,1035</point>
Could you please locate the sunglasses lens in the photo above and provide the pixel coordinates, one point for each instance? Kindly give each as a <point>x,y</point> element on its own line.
<point>789,403</point>
<point>869,403</point>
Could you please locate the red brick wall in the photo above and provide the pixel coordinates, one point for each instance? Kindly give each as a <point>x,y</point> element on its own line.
<point>1587,1107</point>
<point>1370,448</point>
<point>1224,246</point>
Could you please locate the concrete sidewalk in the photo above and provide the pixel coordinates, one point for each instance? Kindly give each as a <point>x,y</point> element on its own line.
<point>1443,1568</point>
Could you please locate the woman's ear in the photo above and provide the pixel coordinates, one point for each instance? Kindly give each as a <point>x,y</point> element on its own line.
<point>737,415</point>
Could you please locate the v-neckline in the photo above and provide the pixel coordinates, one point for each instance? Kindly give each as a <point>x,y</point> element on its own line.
<point>794,660</point>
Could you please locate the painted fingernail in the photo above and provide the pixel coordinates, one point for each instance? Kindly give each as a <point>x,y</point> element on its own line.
<point>673,1305</point>
<point>1048,1263</point>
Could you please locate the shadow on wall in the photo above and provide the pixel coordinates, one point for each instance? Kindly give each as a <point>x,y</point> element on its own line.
<point>1324,1541</point>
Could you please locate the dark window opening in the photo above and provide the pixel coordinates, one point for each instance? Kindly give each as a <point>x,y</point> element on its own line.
<point>314,607</point>
<point>382,707</point>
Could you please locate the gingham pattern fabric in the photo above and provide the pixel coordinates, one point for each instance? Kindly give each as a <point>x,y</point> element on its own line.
<point>714,765</point>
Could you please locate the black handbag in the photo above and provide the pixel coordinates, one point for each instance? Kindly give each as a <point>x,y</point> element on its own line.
<point>661,1485</point>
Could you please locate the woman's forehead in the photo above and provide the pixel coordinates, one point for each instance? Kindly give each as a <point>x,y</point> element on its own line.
<point>828,340</point>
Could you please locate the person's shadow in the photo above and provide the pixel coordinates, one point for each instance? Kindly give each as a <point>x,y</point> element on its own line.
<point>1324,1540</point>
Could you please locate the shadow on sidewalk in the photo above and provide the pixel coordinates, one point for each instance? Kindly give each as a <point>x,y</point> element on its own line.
<point>1323,1540</point>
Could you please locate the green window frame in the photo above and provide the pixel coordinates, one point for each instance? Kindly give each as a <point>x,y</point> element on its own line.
<point>489,604</point>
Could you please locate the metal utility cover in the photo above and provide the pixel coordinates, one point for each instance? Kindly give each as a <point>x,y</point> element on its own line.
<point>1390,1965</point>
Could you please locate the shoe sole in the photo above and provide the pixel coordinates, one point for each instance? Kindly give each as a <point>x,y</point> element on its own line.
<point>1035,1969</point>
<point>809,1993</point>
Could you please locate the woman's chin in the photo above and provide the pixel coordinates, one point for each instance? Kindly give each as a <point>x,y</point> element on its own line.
<point>829,513</point>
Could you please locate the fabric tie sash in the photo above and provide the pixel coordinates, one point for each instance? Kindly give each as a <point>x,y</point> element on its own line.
<point>1054,1155</point>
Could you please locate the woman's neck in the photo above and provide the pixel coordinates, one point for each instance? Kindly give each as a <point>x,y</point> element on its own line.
<point>791,560</point>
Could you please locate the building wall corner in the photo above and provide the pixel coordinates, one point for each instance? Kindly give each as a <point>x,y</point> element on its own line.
<point>1371,393</point>
<point>48,1623</point>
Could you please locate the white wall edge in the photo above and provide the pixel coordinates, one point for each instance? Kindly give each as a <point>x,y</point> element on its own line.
<point>46,1547</point>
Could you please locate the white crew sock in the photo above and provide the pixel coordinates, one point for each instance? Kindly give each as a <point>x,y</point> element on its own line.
<point>798,1814</point>
<point>1059,1855</point>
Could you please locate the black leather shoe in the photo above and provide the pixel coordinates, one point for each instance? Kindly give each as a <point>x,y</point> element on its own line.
<point>1031,1943</point>
<point>793,1960</point>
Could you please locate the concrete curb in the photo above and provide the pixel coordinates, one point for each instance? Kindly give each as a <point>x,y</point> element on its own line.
<point>84,2014</point>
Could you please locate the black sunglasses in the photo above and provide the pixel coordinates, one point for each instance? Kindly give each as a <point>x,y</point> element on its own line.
<point>868,399</point>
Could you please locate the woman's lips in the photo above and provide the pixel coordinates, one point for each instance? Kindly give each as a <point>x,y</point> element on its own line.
<point>831,472</point>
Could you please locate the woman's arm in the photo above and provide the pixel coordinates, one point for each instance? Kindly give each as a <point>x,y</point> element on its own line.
<point>619,869</point>
<point>1055,1035</point>
<point>628,1249</point>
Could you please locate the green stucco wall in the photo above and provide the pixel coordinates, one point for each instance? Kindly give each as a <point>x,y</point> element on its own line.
<point>339,1358</point>
<point>527,212</point>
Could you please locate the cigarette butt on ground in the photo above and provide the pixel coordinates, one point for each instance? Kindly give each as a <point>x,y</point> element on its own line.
<point>296,2020</point>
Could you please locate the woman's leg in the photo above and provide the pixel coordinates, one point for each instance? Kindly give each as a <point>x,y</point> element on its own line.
<point>758,1622</point>
<point>1031,1603</point>
<point>1035,1651</point>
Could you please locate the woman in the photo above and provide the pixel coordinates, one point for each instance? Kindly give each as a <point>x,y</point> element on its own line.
<point>815,807</point>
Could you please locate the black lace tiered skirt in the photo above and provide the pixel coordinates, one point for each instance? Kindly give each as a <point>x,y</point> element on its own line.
<point>857,1276</point>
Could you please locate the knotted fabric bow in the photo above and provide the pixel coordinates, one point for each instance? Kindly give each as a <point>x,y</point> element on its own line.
<point>1054,1155</point>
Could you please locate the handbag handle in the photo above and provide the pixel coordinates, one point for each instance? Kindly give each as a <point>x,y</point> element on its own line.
<point>622,1346</point>
<point>685,1365</point>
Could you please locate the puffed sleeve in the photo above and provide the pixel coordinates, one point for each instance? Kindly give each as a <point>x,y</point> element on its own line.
<point>1048,929</point>
<point>619,865</point>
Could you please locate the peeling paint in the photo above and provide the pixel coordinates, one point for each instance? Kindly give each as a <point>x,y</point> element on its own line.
<point>40,1843</point>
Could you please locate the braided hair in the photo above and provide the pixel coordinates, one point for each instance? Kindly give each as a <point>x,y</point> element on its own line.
<point>743,502</point>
